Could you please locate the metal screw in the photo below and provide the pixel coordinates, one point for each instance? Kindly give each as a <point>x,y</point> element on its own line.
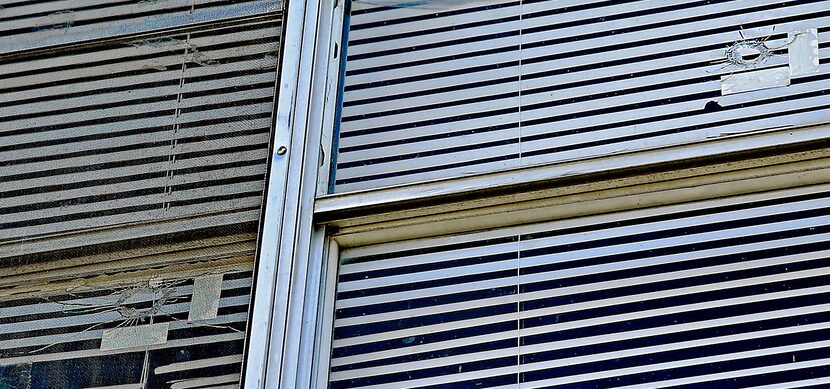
<point>281,150</point>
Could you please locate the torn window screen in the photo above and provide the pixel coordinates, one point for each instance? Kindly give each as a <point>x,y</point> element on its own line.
<point>60,337</point>
<point>136,303</point>
<point>135,137</point>
<point>147,130</point>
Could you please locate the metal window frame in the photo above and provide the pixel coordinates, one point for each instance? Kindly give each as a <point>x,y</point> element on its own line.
<point>783,158</point>
<point>706,152</point>
<point>304,228</point>
<point>325,316</point>
<point>778,169</point>
<point>281,338</point>
<point>580,196</point>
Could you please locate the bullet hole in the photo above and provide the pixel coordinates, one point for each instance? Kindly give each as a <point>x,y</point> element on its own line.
<point>748,54</point>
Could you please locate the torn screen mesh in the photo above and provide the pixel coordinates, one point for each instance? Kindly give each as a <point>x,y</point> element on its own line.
<point>137,334</point>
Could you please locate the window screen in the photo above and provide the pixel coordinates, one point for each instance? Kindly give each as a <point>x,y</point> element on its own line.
<point>55,340</point>
<point>132,138</point>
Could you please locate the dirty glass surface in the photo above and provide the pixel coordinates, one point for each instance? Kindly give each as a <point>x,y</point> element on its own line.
<point>441,89</point>
<point>727,293</point>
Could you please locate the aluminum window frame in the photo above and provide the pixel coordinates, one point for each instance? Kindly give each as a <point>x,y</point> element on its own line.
<point>300,344</point>
<point>786,171</point>
<point>279,346</point>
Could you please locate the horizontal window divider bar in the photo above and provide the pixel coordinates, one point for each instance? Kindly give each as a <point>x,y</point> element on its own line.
<point>761,160</point>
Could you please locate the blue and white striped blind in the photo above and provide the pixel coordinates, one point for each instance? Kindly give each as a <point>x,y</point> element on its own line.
<point>453,88</point>
<point>724,293</point>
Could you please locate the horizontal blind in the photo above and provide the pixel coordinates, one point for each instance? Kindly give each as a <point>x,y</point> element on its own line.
<point>447,89</point>
<point>28,24</point>
<point>732,292</point>
<point>161,128</point>
<point>55,341</point>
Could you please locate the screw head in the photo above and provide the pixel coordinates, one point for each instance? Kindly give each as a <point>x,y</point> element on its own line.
<point>282,150</point>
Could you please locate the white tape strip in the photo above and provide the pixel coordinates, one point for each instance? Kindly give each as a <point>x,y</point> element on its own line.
<point>755,80</point>
<point>137,336</point>
<point>803,51</point>
<point>205,301</point>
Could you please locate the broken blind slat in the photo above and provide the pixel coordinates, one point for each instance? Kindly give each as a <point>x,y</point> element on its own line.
<point>28,25</point>
<point>57,341</point>
<point>445,89</point>
<point>732,292</point>
<point>137,131</point>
